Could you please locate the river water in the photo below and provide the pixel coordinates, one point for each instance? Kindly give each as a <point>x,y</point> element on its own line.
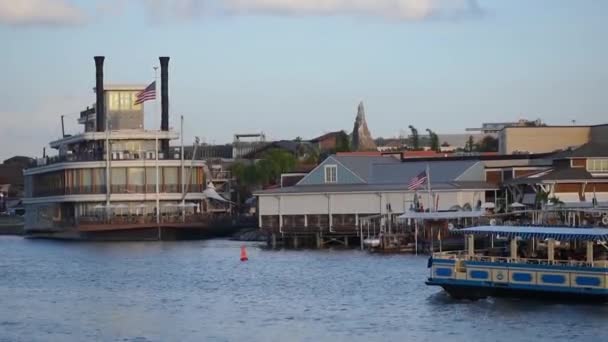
<point>200,291</point>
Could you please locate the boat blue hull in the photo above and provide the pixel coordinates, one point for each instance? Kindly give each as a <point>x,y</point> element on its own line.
<point>478,290</point>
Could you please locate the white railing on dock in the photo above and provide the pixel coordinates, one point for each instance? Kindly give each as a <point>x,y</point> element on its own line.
<point>462,255</point>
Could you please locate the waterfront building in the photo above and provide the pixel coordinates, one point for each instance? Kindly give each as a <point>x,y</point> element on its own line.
<point>576,178</point>
<point>329,202</point>
<point>117,179</point>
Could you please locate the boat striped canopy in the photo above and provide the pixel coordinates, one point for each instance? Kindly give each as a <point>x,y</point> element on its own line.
<point>541,232</point>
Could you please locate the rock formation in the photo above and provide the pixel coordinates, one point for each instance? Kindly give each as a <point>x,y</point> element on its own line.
<point>362,138</point>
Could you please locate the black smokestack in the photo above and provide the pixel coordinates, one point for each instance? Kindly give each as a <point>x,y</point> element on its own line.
<point>164,99</point>
<point>164,93</point>
<point>100,105</point>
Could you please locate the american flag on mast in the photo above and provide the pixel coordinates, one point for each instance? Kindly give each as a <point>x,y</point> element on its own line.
<point>147,94</point>
<point>417,181</point>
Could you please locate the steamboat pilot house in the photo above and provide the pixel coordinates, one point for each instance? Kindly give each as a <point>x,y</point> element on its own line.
<point>116,180</point>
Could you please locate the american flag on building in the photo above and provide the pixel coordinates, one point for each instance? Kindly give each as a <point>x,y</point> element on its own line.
<point>147,94</point>
<point>417,181</point>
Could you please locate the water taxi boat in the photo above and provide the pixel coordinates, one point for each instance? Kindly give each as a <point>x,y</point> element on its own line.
<point>537,261</point>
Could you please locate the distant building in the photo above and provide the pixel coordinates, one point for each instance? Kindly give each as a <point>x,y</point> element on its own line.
<point>543,139</point>
<point>576,177</point>
<point>244,144</point>
<point>458,141</point>
<point>329,141</point>
<point>11,176</point>
<point>496,127</point>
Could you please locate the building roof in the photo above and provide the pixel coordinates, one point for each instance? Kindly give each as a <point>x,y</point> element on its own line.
<point>556,174</point>
<point>426,154</point>
<point>327,136</point>
<point>362,165</point>
<point>342,188</point>
<point>20,160</point>
<point>440,171</point>
<point>391,174</point>
<point>589,150</point>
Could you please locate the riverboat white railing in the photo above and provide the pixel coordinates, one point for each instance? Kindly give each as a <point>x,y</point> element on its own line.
<point>480,257</point>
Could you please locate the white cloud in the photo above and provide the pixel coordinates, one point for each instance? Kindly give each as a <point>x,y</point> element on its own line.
<point>64,12</point>
<point>392,9</point>
<point>396,9</point>
<point>40,12</point>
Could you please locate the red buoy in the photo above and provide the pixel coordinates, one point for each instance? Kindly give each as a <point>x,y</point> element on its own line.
<point>244,253</point>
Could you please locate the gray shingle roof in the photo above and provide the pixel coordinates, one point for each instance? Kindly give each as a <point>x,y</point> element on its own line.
<point>362,165</point>
<point>440,171</point>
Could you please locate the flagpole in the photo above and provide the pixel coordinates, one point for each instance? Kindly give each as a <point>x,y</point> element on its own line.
<point>429,201</point>
<point>156,108</point>
<point>108,169</point>
<point>428,187</point>
<point>181,132</point>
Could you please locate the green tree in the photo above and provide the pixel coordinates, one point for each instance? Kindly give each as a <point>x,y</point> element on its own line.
<point>342,142</point>
<point>488,144</point>
<point>470,145</point>
<point>265,171</point>
<point>433,140</point>
<point>414,138</point>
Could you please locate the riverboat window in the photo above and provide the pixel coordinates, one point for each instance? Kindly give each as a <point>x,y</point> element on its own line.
<point>136,176</point>
<point>123,100</point>
<point>119,176</point>
<point>597,165</point>
<point>331,173</point>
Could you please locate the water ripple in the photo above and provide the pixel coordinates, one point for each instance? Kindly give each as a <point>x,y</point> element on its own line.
<point>194,291</point>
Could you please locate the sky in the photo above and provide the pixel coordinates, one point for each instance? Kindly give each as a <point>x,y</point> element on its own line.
<point>292,68</point>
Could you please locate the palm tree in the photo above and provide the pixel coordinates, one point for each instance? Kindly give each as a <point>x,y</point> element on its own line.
<point>415,139</point>
<point>433,140</point>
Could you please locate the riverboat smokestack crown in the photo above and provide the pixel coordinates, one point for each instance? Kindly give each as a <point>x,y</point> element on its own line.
<point>100,105</point>
<point>164,93</point>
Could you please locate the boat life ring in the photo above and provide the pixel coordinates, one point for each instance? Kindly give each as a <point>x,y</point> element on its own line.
<point>605,220</point>
<point>450,226</point>
<point>500,276</point>
<point>492,222</point>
